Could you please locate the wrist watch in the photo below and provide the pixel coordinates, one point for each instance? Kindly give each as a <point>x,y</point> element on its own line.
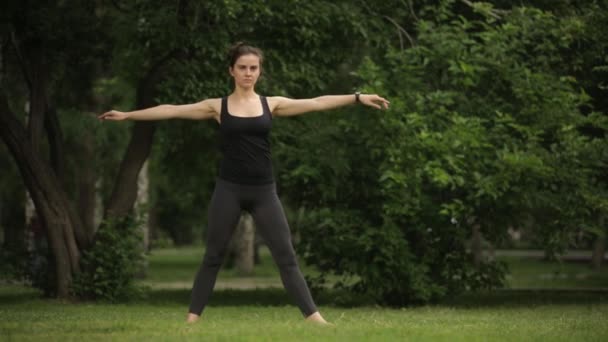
<point>357,94</point>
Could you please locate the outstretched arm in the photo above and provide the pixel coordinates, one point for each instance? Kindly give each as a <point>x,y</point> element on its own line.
<point>283,106</point>
<point>206,109</point>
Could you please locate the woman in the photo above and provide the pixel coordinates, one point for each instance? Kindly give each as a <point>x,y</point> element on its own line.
<point>245,180</point>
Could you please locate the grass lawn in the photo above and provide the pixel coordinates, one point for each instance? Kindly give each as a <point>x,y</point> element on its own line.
<point>176,267</point>
<point>535,273</point>
<point>267,314</point>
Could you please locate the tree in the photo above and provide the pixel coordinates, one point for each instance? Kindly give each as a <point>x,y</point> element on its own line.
<point>485,131</point>
<point>43,38</point>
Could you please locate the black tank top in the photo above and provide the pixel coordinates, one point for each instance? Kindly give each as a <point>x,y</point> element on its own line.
<point>245,146</point>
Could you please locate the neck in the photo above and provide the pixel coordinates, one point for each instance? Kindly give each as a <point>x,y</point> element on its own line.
<point>244,93</point>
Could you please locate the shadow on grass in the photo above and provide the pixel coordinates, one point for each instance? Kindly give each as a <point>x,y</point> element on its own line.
<point>220,297</point>
<point>18,298</point>
<point>507,298</point>
<point>527,298</point>
<point>279,297</point>
<point>16,293</point>
<point>260,296</point>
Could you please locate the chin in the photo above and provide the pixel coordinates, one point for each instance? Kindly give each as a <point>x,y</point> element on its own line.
<point>248,85</point>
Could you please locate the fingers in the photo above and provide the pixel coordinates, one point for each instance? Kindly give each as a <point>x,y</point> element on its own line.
<point>106,117</point>
<point>378,102</point>
<point>111,115</point>
<point>384,102</point>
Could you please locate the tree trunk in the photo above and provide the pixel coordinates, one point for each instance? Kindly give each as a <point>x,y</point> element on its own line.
<point>141,204</point>
<point>87,192</point>
<point>13,222</point>
<point>242,245</point>
<point>55,138</point>
<point>37,75</point>
<point>258,241</point>
<point>152,224</point>
<point>599,248</point>
<point>476,245</point>
<point>30,216</point>
<point>98,213</point>
<point>141,208</point>
<point>57,161</point>
<point>50,199</point>
<point>124,193</point>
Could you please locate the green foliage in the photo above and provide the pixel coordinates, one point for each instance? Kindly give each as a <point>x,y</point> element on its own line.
<point>13,264</point>
<point>485,130</point>
<point>498,119</point>
<point>302,46</point>
<point>13,253</point>
<point>110,265</point>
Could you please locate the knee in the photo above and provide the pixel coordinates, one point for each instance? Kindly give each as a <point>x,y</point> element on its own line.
<point>213,259</point>
<point>286,259</point>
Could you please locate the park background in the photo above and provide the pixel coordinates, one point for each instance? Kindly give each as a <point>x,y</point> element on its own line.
<point>474,208</point>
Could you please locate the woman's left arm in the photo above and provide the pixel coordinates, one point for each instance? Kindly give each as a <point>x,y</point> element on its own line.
<point>283,106</point>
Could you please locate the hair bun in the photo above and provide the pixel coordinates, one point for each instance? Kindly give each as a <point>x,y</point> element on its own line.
<point>241,48</point>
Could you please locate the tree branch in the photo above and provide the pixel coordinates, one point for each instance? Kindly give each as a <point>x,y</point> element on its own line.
<point>493,13</point>
<point>21,60</point>
<point>410,5</point>
<point>124,192</point>
<point>400,31</point>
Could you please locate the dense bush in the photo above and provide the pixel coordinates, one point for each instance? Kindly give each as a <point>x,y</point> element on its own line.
<point>109,267</point>
<point>484,118</point>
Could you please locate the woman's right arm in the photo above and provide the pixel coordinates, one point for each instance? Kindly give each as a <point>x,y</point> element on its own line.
<point>206,109</point>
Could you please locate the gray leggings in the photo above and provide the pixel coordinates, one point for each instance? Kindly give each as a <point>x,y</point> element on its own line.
<point>224,212</point>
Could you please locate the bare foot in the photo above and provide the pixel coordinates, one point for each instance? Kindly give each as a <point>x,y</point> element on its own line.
<point>192,318</point>
<point>317,318</point>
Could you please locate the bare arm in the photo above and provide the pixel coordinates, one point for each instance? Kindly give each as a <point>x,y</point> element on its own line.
<point>283,106</point>
<point>203,110</point>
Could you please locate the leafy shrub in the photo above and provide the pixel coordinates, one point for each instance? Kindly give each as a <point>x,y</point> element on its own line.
<point>110,265</point>
<point>13,264</point>
<point>483,131</point>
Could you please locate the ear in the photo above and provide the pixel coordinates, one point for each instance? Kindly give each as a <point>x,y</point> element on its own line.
<point>231,71</point>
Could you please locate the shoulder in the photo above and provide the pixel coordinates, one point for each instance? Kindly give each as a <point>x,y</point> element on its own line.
<point>217,101</point>
<point>276,101</point>
<point>214,104</point>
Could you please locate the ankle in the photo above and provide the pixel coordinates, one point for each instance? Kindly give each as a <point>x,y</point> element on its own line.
<point>191,318</point>
<point>316,317</point>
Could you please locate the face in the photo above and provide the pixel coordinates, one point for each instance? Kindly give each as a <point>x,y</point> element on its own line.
<point>246,71</point>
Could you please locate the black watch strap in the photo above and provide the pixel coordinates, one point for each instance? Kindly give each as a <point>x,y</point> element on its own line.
<point>357,94</point>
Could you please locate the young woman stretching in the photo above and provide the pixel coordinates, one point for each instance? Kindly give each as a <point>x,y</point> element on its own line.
<point>246,180</point>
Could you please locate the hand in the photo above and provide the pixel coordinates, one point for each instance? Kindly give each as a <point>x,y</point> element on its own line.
<point>374,101</point>
<point>113,115</point>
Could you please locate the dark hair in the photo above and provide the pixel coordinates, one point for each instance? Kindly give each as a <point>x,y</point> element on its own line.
<point>240,49</point>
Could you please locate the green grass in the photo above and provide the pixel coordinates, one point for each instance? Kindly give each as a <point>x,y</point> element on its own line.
<point>233,316</point>
<point>267,314</point>
<point>535,273</point>
<point>176,267</point>
<point>180,264</point>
